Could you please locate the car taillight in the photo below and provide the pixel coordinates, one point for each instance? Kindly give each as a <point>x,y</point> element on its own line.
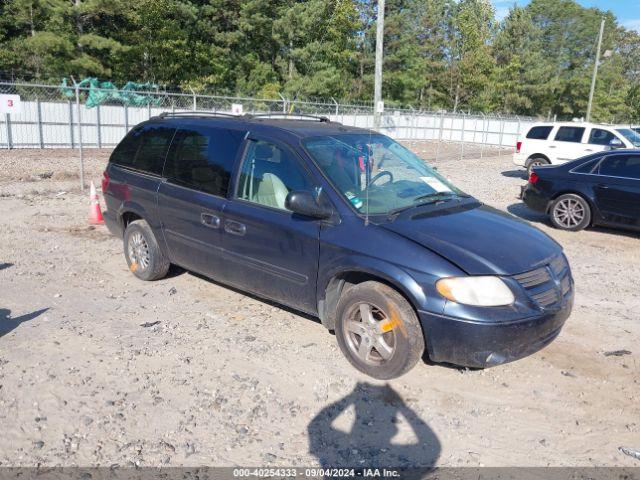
<point>518,146</point>
<point>105,181</point>
<point>533,177</point>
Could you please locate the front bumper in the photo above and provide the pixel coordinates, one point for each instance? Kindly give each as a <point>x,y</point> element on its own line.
<point>485,344</point>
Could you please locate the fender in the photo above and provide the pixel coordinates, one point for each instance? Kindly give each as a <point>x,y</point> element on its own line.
<point>373,266</point>
<point>393,275</point>
<point>127,206</point>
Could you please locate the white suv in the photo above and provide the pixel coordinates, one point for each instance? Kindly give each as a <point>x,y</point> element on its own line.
<point>555,143</point>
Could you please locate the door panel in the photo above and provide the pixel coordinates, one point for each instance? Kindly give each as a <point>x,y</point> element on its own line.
<point>618,189</point>
<point>619,202</point>
<point>269,250</point>
<point>191,222</point>
<point>567,144</point>
<point>598,140</point>
<point>272,253</point>
<point>191,199</point>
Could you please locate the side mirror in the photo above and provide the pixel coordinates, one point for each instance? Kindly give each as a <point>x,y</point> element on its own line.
<point>304,203</point>
<point>616,143</point>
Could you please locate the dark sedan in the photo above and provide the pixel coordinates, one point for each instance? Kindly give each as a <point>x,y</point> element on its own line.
<point>599,189</point>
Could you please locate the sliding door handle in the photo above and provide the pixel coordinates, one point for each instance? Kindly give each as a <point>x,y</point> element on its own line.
<point>235,228</point>
<point>209,220</point>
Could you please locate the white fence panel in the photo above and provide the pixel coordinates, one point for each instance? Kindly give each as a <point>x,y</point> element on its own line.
<point>49,118</point>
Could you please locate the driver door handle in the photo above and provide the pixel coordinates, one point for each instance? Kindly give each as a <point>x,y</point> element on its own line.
<point>235,228</point>
<point>604,186</point>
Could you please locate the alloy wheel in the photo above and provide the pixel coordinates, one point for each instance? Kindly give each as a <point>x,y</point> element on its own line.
<point>370,334</point>
<point>569,213</point>
<point>138,250</point>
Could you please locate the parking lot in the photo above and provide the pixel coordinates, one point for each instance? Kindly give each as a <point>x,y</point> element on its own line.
<point>98,368</point>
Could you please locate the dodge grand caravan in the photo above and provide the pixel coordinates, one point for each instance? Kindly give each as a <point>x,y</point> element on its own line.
<point>344,224</point>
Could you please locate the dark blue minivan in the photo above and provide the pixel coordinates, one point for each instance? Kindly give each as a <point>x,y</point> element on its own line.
<point>341,223</point>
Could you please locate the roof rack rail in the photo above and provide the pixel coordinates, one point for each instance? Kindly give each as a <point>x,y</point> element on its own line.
<point>319,118</point>
<point>196,113</point>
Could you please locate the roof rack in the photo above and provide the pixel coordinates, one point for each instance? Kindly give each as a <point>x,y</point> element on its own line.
<point>197,113</point>
<point>303,116</point>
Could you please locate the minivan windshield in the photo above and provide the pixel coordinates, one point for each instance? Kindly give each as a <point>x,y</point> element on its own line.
<point>631,135</point>
<point>378,175</point>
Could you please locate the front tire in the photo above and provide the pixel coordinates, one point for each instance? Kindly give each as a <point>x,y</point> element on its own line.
<point>378,330</point>
<point>144,257</point>
<point>570,212</point>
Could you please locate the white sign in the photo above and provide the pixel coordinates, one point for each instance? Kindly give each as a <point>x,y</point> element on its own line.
<point>236,108</point>
<point>380,107</point>
<point>10,103</point>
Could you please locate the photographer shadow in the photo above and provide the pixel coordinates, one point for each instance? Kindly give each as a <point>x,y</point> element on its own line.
<point>380,416</point>
<point>9,323</point>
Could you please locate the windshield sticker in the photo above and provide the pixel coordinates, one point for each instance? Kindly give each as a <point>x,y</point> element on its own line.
<point>436,184</point>
<point>356,202</point>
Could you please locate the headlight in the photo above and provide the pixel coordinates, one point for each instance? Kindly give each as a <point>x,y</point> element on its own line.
<point>478,291</point>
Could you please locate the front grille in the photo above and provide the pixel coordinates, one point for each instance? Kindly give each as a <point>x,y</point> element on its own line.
<point>533,278</point>
<point>547,285</point>
<point>546,298</point>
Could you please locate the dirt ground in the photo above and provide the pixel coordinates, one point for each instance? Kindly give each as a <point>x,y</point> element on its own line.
<point>99,368</point>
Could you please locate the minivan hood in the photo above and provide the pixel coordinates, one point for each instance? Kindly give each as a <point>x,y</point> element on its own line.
<point>480,240</point>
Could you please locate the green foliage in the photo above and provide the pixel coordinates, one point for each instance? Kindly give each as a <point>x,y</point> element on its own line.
<point>439,54</point>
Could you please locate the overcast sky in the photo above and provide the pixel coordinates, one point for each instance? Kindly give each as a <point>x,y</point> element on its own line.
<point>627,11</point>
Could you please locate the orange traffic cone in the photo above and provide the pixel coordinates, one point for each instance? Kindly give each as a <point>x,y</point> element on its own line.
<point>95,214</point>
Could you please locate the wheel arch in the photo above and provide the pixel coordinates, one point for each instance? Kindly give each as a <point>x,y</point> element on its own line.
<point>573,191</point>
<point>336,283</point>
<point>130,212</point>
<point>537,155</point>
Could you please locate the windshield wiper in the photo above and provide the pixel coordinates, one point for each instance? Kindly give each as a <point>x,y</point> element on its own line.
<point>428,199</point>
<point>435,197</point>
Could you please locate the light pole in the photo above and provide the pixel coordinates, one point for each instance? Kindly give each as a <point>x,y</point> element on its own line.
<point>595,71</point>
<point>377,87</point>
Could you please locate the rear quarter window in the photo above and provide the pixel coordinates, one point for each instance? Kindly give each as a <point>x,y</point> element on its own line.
<point>144,149</point>
<point>539,133</point>
<point>586,167</point>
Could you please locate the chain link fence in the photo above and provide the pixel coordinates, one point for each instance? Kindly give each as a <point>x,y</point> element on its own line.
<point>55,117</point>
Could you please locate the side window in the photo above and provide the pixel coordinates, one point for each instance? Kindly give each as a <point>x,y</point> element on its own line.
<point>202,159</point>
<point>539,133</point>
<point>586,167</point>
<point>627,166</point>
<point>125,152</point>
<point>144,148</point>
<point>269,173</point>
<point>152,151</point>
<point>570,134</point>
<point>600,137</point>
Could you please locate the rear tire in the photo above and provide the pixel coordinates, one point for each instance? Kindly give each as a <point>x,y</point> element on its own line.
<point>570,212</point>
<point>378,330</point>
<point>144,257</point>
<point>535,162</point>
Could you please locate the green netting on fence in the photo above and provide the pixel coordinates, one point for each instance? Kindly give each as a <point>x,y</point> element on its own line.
<point>97,93</point>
